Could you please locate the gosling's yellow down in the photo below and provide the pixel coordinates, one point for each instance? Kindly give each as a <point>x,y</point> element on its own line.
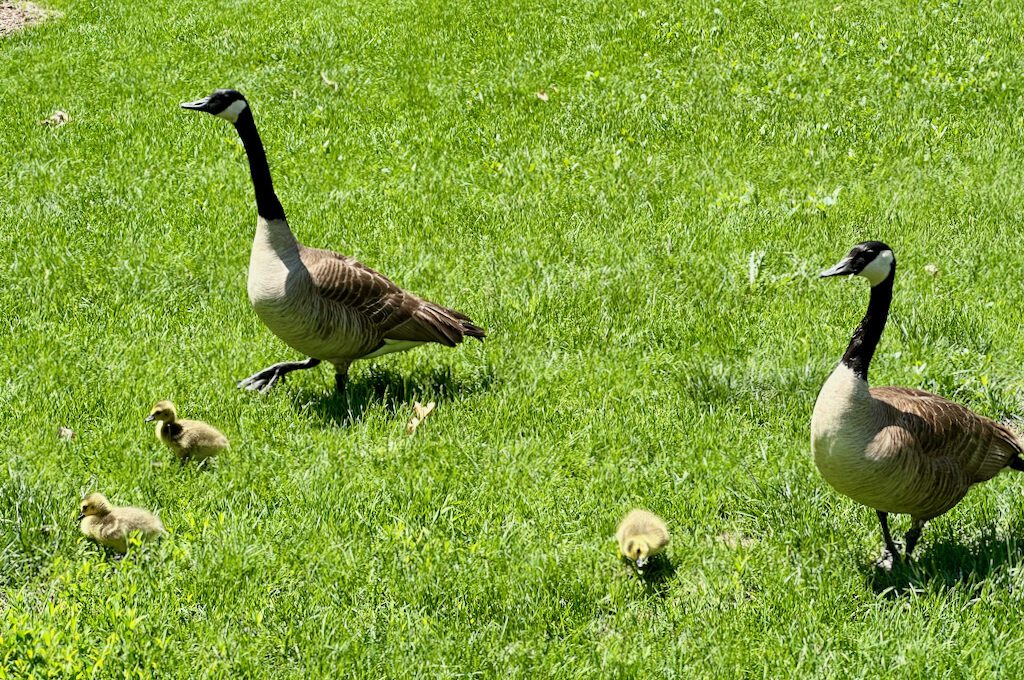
<point>641,535</point>
<point>188,439</point>
<point>111,527</point>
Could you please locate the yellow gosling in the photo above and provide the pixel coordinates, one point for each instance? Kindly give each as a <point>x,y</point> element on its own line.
<point>188,439</point>
<point>111,527</point>
<point>641,536</point>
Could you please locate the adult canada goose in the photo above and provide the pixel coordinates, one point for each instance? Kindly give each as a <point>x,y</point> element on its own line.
<point>895,449</point>
<point>111,527</point>
<point>327,306</point>
<point>641,536</point>
<point>188,439</point>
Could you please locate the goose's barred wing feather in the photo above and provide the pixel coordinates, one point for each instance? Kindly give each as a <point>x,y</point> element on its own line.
<point>392,312</point>
<point>934,428</point>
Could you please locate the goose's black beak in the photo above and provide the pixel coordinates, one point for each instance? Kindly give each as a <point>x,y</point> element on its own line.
<point>843,268</point>
<point>197,105</point>
<point>150,418</point>
<point>81,516</point>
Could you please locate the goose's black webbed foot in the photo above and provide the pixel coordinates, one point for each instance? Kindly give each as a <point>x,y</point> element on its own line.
<point>264,380</point>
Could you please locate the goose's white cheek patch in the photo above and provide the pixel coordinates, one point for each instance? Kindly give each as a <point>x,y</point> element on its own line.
<point>878,269</point>
<point>232,112</point>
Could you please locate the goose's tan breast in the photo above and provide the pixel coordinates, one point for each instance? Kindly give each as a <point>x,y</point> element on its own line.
<point>855,452</point>
<point>901,450</point>
<point>315,328</point>
<point>285,299</point>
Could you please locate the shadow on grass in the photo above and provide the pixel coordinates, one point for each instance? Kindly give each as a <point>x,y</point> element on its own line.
<point>393,390</point>
<point>655,575</point>
<point>946,565</point>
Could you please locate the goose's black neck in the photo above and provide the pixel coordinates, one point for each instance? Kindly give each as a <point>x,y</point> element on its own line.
<point>267,204</point>
<point>865,339</point>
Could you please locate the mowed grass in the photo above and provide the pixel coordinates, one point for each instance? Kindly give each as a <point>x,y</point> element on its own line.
<point>642,249</point>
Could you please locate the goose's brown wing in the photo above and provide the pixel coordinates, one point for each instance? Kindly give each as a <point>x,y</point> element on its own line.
<point>936,428</point>
<point>390,312</point>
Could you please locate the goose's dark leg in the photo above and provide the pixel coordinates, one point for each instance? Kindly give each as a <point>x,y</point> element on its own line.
<point>892,553</point>
<point>268,377</point>
<point>913,535</point>
<point>341,377</point>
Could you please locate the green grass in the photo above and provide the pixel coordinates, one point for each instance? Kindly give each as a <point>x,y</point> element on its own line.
<point>604,239</point>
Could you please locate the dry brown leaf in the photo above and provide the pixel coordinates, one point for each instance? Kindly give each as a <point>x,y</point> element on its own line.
<point>66,433</point>
<point>328,82</point>
<point>56,119</point>
<point>542,95</point>
<point>421,413</point>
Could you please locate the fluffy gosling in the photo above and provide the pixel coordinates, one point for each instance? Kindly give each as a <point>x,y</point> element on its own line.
<point>111,527</point>
<point>641,536</point>
<point>188,439</point>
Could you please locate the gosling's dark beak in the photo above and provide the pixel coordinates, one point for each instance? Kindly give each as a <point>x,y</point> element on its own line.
<point>150,418</point>
<point>641,562</point>
<point>81,516</point>
<point>841,269</point>
<point>197,105</point>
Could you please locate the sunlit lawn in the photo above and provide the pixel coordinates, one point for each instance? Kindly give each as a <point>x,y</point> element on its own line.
<point>633,199</point>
